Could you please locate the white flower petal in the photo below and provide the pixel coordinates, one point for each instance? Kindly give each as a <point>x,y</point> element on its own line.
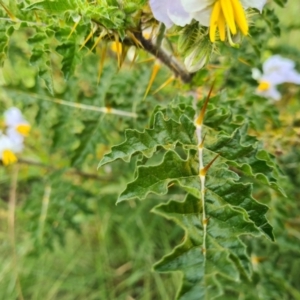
<point>271,93</point>
<point>293,77</point>
<point>259,4</point>
<point>276,63</point>
<point>13,116</point>
<point>194,6</point>
<point>7,144</point>
<point>274,78</point>
<point>160,11</point>
<point>14,135</point>
<point>177,13</point>
<point>203,16</point>
<point>277,70</point>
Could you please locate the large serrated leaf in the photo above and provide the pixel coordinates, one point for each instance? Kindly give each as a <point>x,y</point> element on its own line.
<point>164,133</point>
<point>222,246</point>
<point>220,187</point>
<point>5,33</point>
<point>156,179</point>
<point>246,158</point>
<point>224,200</point>
<point>69,51</point>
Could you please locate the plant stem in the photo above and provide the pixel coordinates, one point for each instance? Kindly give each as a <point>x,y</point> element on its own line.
<point>165,58</point>
<point>11,226</point>
<point>202,181</point>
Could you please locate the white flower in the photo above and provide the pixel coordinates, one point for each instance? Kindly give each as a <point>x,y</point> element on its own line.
<point>17,126</point>
<point>281,70</point>
<point>225,15</point>
<point>170,12</point>
<point>276,70</point>
<point>8,149</point>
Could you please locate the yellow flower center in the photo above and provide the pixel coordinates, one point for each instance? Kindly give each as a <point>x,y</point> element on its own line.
<point>23,129</point>
<point>263,86</point>
<point>8,157</point>
<point>230,13</point>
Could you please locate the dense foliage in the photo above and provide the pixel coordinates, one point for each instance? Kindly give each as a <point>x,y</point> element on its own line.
<point>115,118</point>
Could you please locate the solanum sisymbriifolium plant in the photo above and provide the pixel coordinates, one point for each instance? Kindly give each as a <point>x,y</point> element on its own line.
<point>190,106</point>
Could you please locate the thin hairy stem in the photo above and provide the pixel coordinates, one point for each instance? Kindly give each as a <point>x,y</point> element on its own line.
<point>11,227</point>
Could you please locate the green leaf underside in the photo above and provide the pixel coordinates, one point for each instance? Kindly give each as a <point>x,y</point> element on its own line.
<point>224,248</point>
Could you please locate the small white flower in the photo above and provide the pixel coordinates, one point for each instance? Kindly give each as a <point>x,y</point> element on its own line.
<point>8,149</point>
<point>276,70</point>
<point>17,126</point>
<point>281,70</point>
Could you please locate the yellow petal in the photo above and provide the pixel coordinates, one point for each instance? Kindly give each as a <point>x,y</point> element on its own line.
<point>23,129</point>
<point>221,26</point>
<point>8,157</point>
<point>240,16</point>
<point>214,21</point>
<point>227,9</point>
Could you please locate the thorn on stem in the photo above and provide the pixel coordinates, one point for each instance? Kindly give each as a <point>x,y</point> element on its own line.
<point>201,145</point>
<point>88,38</point>
<point>205,221</point>
<point>200,118</point>
<point>206,168</point>
<point>155,70</point>
<point>13,18</point>
<point>168,81</point>
<point>73,29</point>
<point>101,64</point>
<point>100,37</point>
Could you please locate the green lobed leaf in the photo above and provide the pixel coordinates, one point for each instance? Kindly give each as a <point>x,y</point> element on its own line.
<point>5,33</point>
<point>69,51</point>
<point>220,186</point>
<point>222,245</point>
<point>229,205</point>
<point>55,7</point>
<point>164,133</point>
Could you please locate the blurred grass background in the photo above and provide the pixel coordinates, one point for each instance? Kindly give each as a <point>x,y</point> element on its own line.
<point>112,256</point>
